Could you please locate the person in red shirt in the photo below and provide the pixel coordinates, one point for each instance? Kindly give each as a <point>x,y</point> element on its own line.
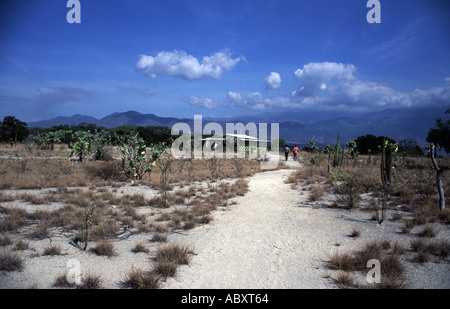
<point>295,151</point>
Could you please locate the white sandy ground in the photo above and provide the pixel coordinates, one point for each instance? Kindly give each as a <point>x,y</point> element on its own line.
<point>273,237</point>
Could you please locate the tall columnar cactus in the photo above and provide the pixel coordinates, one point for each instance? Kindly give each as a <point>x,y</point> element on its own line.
<point>387,151</point>
<point>336,153</point>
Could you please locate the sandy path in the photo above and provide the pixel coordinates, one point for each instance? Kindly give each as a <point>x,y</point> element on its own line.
<point>264,241</point>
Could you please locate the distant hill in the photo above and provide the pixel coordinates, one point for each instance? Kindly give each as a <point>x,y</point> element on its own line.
<point>61,120</point>
<point>399,124</point>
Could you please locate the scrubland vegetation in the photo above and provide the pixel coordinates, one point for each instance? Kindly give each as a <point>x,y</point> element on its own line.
<point>410,199</point>
<point>94,203</point>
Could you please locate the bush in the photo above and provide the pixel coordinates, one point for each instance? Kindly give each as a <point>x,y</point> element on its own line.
<point>347,187</point>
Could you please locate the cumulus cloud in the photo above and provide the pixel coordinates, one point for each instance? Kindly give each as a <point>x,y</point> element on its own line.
<point>334,86</point>
<point>180,64</point>
<point>273,81</point>
<point>315,77</point>
<point>252,100</point>
<point>234,97</point>
<point>201,102</point>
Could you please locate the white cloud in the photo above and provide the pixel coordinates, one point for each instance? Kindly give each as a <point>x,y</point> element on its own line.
<point>273,81</point>
<point>234,97</point>
<point>252,100</point>
<point>333,86</point>
<point>180,64</point>
<point>315,77</point>
<point>201,102</point>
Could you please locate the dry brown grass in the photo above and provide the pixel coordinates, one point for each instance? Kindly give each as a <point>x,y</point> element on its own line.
<point>104,247</point>
<point>389,256</point>
<point>137,278</point>
<point>317,193</point>
<point>168,257</point>
<point>11,261</point>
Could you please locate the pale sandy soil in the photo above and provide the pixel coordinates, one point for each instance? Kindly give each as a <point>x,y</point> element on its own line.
<point>272,237</point>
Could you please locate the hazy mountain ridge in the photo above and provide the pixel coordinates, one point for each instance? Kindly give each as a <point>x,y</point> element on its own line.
<point>412,123</point>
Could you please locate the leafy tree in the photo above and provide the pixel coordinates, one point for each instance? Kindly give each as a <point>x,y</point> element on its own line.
<point>12,129</point>
<point>440,134</point>
<point>99,141</point>
<point>155,134</point>
<point>409,147</point>
<point>81,146</point>
<point>370,144</point>
<point>135,160</point>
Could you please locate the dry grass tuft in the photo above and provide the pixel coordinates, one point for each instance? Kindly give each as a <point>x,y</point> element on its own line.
<point>317,193</point>
<point>168,258</point>
<point>136,278</point>
<point>10,261</point>
<point>104,247</point>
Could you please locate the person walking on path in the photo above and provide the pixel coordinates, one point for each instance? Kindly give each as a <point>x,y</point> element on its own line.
<point>295,151</point>
<point>286,151</point>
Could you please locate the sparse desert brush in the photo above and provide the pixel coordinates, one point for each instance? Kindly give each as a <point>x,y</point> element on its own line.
<point>11,261</point>
<point>345,280</point>
<point>389,256</point>
<point>168,257</point>
<point>347,187</point>
<point>137,278</point>
<point>317,192</point>
<point>90,281</point>
<point>104,247</point>
<point>240,186</point>
<point>427,231</point>
<point>52,250</point>
<point>425,247</point>
<point>341,261</point>
<point>21,245</point>
<point>140,247</point>
<point>355,232</point>
<point>165,267</point>
<point>174,252</point>
<point>5,240</point>
<point>61,282</point>
<point>159,237</point>
<point>14,218</point>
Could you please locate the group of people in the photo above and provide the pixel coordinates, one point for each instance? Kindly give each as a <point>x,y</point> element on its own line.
<point>294,152</point>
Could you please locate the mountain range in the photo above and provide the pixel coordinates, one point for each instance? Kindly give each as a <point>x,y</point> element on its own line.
<point>295,127</point>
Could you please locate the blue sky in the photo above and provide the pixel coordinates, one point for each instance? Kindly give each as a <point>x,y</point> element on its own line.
<point>221,58</point>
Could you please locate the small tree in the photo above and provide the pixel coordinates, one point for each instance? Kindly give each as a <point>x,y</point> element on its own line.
<point>440,134</point>
<point>135,161</point>
<point>347,187</point>
<point>81,146</point>
<point>100,139</point>
<point>13,130</point>
<point>439,171</point>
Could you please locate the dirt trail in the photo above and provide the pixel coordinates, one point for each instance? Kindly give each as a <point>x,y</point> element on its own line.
<point>264,241</point>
